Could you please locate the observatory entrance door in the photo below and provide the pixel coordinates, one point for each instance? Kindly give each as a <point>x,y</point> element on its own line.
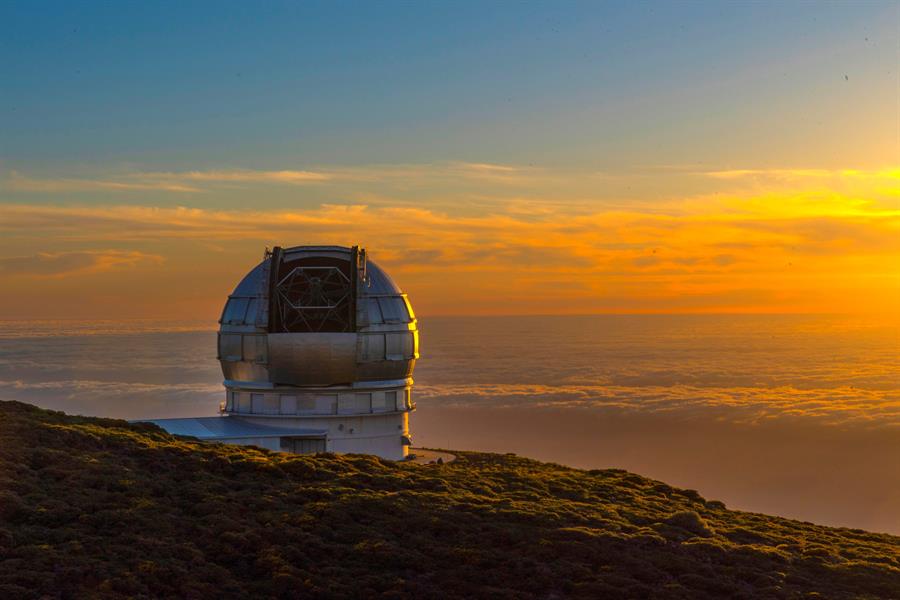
<point>302,445</point>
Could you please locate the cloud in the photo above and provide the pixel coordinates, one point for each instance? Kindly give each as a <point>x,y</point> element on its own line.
<point>489,168</point>
<point>176,182</point>
<point>715,239</point>
<point>748,405</point>
<point>117,399</point>
<point>762,223</point>
<point>771,173</point>
<point>240,176</point>
<point>51,328</point>
<point>794,249</point>
<point>473,184</point>
<point>63,264</point>
<point>197,181</point>
<point>20,183</point>
<point>795,175</point>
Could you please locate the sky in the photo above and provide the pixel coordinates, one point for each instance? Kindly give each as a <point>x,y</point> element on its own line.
<point>496,158</point>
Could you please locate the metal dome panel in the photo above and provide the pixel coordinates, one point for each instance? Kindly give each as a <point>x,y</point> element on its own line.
<point>380,282</point>
<point>317,315</point>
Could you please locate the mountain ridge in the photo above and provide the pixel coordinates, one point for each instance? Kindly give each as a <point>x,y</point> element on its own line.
<point>93,507</point>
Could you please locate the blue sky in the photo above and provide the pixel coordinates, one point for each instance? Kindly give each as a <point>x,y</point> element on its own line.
<point>533,158</point>
<point>607,85</point>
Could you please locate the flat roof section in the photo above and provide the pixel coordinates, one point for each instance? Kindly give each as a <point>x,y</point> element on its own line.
<point>224,428</point>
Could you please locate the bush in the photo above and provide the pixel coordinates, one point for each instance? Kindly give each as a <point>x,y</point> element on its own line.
<point>99,508</point>
<point>691,521</point>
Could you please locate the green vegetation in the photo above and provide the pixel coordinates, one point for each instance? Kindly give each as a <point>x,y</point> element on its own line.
<point>101,508</point>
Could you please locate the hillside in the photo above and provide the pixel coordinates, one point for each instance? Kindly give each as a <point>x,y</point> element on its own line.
<point>101,508</point>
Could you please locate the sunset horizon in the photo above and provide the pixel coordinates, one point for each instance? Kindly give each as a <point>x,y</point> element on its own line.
<point>728,166</point>
<point>450,299</point>
<point>805,250</point>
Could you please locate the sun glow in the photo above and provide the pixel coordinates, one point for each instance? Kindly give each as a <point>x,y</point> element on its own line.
<point>753,241</point>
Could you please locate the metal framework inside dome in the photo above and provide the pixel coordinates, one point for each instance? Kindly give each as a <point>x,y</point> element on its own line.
<point>313,293</point>
<point>311,297</point>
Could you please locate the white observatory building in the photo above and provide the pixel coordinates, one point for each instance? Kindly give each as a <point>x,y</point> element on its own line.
<point>317,346</point>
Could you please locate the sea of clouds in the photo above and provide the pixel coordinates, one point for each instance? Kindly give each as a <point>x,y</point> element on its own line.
<point>797,416</point>
<point>745,369</point>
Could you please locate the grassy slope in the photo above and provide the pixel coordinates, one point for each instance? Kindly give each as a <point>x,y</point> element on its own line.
<point>92,507</point>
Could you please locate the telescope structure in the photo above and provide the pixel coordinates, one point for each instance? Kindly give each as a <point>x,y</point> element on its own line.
<point>317,346</point>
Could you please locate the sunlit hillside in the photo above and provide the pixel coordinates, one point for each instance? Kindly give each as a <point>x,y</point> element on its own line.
<point>99,508</point>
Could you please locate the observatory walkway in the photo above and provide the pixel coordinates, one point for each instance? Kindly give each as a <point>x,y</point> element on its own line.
<point>427,457</point>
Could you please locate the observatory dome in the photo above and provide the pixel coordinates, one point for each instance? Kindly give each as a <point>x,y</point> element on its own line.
<point>319,332</point>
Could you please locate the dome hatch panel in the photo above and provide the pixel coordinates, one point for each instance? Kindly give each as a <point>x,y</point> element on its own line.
<point>290,330</point>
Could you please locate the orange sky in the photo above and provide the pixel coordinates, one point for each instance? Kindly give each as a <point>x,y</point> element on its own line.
<point>494,239</point>
<point>583,158</point>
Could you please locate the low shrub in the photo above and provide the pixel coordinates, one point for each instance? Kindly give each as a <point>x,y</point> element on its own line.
<point>100,508</point>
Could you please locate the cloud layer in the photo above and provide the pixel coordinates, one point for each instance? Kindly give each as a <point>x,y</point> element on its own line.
<point>63,264</point>
<point>746,405</point>
<point>516,240</point>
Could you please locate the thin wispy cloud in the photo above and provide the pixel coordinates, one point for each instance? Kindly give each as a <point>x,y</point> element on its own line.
<point>291,177</point>
<point>152,181</point>
<point>719,255</point>
<point>20,183</point>
<point>773,173</point>
<point>750,405</point>
<point>194,181</point>
<point>800,174</point>
<point>750,249</point>
<point>65,264</point>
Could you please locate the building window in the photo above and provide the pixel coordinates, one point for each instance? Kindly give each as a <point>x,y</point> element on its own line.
<point>354,404</point>
<point>300,445</point>
<point>379,403</point>
<point>306,405</point>
<point>271,405</point>
<point>288,405</point>
<point>243,402</point>
<point>326,404</point>
<point>256,403</point>
<point>364,403</point>
<point>390,400</point>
